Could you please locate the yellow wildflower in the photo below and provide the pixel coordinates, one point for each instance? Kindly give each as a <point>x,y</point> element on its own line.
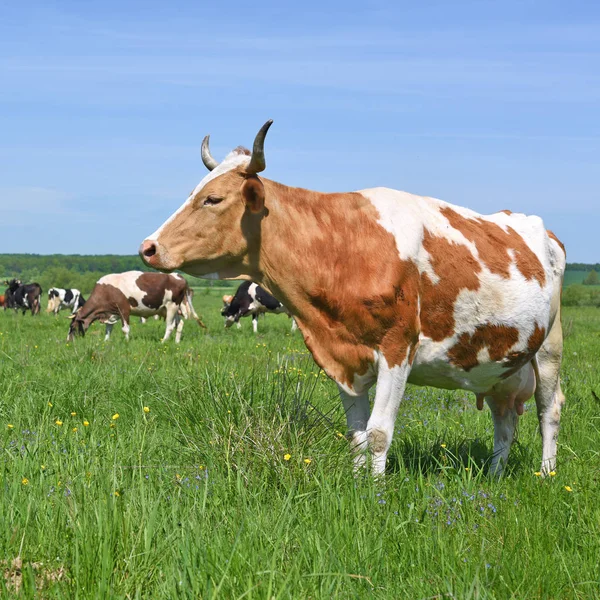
<point>50,404</point>
<point>43,467</point>
<point>552,473</point>
<point>117,493</point>
<point>146,409</point>
<point>86,423</point>
<point>538,473</point>
<point>115,416</point>
<point>25,481</point>
<point>568,488</point>
<point>287,456</point>
<point>74,429</point>
<point>73,414</point>
<point>307,461</point>
<point>10,426</point>
<point>58,422</point>
<point>443,445</point>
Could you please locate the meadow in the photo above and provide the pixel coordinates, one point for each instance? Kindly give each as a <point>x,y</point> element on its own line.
<point>219,469</point>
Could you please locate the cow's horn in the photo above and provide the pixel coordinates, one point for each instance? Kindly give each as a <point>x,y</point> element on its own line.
<point>209,162</point>
<point>257,161</point>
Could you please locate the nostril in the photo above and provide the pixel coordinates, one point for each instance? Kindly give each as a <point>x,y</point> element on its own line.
<point>149,249</point>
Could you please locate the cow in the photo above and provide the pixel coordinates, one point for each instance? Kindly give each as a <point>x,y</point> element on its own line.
<point>9,293</point>
<point>387,287</point>
<point>24,296</point>
<point>119,295</point>
<point>251,299</point>
<point>59,298</point>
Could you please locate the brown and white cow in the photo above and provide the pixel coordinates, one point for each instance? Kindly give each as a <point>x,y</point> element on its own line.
<point>119,295</point>
<point>387,287</point>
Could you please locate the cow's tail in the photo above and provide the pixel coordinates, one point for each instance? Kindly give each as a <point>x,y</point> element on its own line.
<point>190,306</point>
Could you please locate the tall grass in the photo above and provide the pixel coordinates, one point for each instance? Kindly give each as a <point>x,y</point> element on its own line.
<point>237,482</point>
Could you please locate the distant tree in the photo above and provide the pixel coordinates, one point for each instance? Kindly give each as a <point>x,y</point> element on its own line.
<point>592,278</point>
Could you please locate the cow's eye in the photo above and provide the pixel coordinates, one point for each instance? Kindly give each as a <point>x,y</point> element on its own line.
<point>212,200</point>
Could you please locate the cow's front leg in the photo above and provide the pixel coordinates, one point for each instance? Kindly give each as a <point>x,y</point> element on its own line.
<point>357,415</point>
<point>391,382</point>
<point>255,322</point>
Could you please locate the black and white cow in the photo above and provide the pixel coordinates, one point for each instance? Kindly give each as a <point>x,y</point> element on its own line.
<point>59,298</point>
<point>118,296</point>
<point>251,299</point>
<point>25,297</point>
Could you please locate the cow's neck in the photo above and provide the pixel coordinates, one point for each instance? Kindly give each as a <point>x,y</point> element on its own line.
<point>322,255</point>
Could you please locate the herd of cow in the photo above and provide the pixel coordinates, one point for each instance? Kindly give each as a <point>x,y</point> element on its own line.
<point>387,288</point>
<point>119,296</point>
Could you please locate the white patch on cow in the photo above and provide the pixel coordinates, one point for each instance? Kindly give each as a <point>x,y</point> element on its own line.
<point>230,162</point>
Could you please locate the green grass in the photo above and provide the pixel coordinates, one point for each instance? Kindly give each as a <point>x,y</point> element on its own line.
<point>195,499</point>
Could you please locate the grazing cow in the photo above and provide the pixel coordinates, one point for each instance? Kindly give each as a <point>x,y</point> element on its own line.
<point>9,293</point>
<point>117,296</point>
<point>251,299</point>
<point>387,287</point>
<point>59,298</point>
<point>25,297</point>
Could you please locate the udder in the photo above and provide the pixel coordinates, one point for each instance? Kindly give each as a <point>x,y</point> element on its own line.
<point>511,393</point>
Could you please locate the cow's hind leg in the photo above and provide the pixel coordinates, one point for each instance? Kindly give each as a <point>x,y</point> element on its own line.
<point>357,416</point>
<point>179,328</point>
<point>548,395</point>
<point>505,418</point>
<point>170,320</point>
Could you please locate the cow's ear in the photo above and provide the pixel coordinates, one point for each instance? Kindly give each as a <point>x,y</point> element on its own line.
<point>253,193</point>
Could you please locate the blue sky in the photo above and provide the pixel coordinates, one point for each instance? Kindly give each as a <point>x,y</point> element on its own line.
<point>103,107</point>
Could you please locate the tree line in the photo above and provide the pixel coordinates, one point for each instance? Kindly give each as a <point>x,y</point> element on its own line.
<point>79,271</point>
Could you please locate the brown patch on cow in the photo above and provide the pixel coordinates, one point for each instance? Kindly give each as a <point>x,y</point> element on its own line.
<point>507,212</point>
<point>156,284</point>
<point>553,236</point>
<point>132,301</point>
<point>536,339</point>
<point>498,339</point>
<point>458,270</point>
<point>516,360</point>
<point>366,301</point>
<point>493,244</point>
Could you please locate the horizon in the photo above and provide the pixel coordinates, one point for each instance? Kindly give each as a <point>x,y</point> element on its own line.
<point>104,107</point>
